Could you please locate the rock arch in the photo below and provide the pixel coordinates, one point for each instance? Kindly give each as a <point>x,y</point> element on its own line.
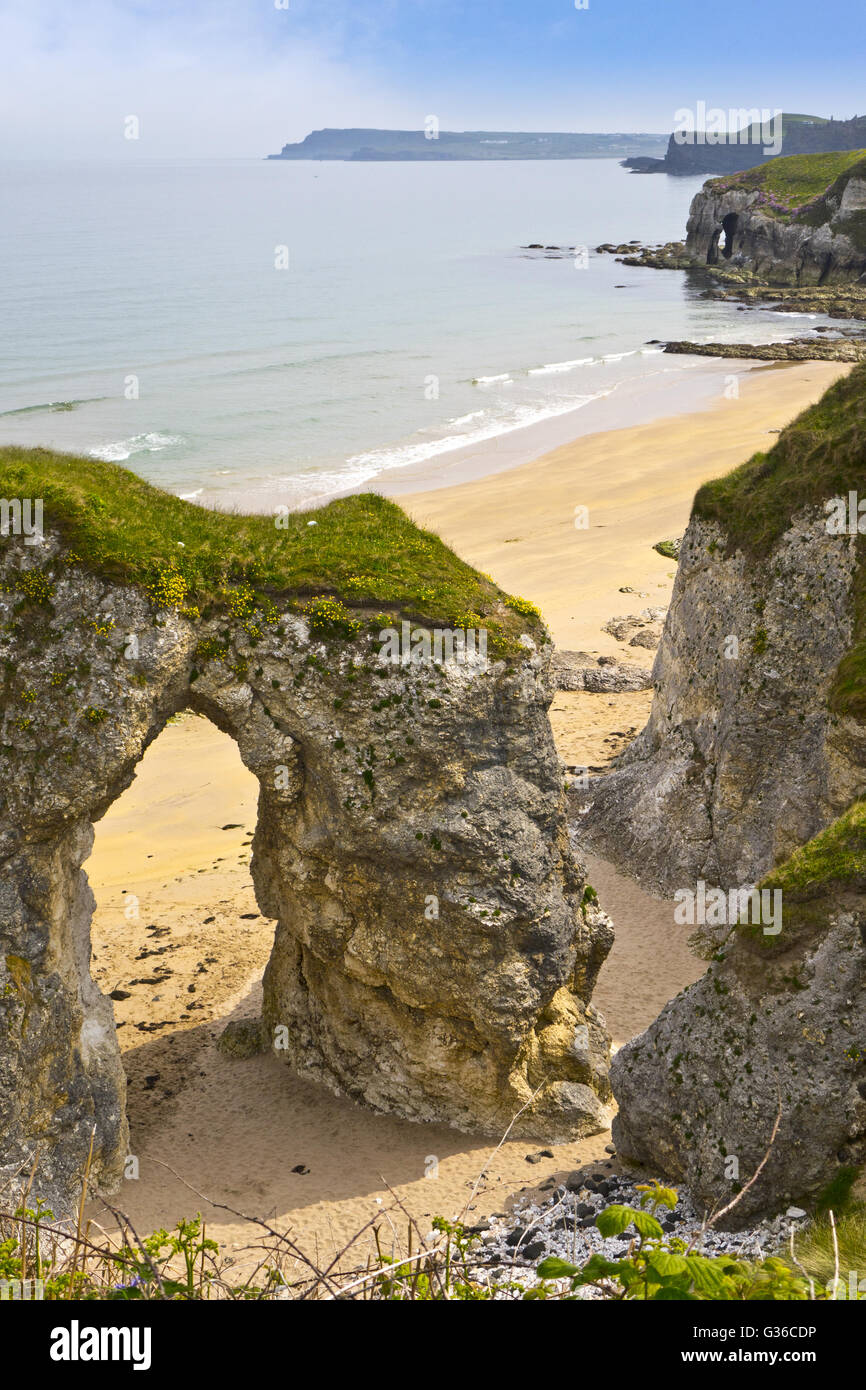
<point>727,227</point>
<point>435,951</point>
<point>730,225</point>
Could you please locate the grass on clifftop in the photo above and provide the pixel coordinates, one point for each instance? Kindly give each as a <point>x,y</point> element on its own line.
<point>816,880</point>
<point>363,550</point>
<point>795,181</point>
<point>835,857</point>
<point>822,454</point>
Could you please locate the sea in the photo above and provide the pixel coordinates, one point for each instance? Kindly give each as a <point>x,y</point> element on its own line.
<point>250,333</point>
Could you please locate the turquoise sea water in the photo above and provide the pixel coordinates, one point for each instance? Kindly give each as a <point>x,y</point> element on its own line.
<point>145,319</point>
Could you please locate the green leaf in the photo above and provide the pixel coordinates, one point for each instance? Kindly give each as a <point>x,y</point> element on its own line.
<point>647,1225</point>
<point>553,1268</point>
<point>669,1293</point>
<point>708,1276</point>
<point>666,1197</point>
<point>666,1265</point>
<point>614,1220</point>
<point>657,1196</point>
<point>597,1267</point>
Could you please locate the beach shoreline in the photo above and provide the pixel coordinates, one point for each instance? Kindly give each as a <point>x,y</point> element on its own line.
<point>683,386</point>
<point>636,485</point>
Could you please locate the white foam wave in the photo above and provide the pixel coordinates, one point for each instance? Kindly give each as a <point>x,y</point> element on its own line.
<point>551,368</point>
<point>467,419</point>
<point>122,449</point>
<point>367,465</point>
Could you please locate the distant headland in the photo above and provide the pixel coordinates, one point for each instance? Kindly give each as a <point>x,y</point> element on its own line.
<point>727,142</point>
<point>434,144</point>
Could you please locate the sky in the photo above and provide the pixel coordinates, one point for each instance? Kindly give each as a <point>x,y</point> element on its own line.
<point>242,77</point>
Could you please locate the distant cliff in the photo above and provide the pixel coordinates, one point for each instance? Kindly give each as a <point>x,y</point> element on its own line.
<point>400,145</point>
<point>711,153</point>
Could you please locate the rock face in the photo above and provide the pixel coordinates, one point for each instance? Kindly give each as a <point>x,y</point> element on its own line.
<point>751,770</point>
<point>741,761</point>
<point>434,956</point>
<point>800,350</point>
<point>733,225</point>
<point>601,675</point>
<point>772,1035</point>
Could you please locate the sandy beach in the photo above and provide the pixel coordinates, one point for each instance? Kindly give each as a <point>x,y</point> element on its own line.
<point>188,956</point>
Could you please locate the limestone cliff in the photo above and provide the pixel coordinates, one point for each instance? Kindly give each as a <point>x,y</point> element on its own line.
<point>756,739</point>
<point>756,747</point>
<point>767,1054</point>
<point>434,954</point>
<point>786,224</point>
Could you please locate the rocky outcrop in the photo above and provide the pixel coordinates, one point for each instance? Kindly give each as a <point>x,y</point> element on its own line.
<point>742,759</point>
<point>435,954</point>
<point>764,1057</point>
<point>798,350</point>
<point>743,224</point>
<point>601,675</point>
<point>837,301</point>
<point>751,749</point>
<point>751,770</point>
<point>638,629</point>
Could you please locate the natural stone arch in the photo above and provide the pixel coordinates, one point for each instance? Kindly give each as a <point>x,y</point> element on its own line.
<point>727,227</point>
<point>730,225</point>
<point>385,790</point>
<point>713,248</point>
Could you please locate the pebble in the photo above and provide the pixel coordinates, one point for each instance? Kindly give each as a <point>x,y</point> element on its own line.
<point>564,1225</point>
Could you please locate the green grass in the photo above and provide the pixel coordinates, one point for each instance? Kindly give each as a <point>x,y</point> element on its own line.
<point>814,881</point>
<point>363,550</point>
<point>796,180</point>
<point>669,549</point>
<point>822,454</point>
<point>836,857</point>
<point>815,1252</point>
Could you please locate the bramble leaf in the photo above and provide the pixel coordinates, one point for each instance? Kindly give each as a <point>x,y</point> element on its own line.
<point>554,1268</point>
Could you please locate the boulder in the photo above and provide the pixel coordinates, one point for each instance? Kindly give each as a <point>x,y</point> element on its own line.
<point>599,674</point>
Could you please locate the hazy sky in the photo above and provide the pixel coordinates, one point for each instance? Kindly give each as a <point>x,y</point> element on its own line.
<point>241,77</point>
